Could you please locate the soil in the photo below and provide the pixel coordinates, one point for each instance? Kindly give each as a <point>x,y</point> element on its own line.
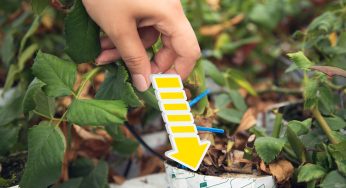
<point>11,169</point>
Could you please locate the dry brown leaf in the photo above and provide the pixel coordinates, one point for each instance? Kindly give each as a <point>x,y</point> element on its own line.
<point>151,165</point>
<point>118,179</point>
<point>213,30</point>
<point>330,71</point>
<point>263,167</point>
<point>282,170</point>
<point>248,120</point>
<point>86,135</point>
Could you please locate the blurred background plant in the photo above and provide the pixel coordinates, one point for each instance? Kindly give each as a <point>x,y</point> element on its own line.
<point>244,64</point>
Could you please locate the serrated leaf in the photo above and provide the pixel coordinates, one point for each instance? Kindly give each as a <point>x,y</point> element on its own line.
<point>310,172</point>
<point>97,112</point>
<point>300,60</point>
<point>117,87</point>
<point>310,92</point>
<point>333,180</point>
<point>46,146</point>
<point>213,72</point>
<point>338,151</point>
<point>268,148</point>
<point>58,75</point>
<point>149,98</point>
<point>44,105</point>
<point>38,6</point>
<point>82,35</point>
<point>335,123</point>
<point>71,183</point>
<point>300,128</point>
<point>29,100</point>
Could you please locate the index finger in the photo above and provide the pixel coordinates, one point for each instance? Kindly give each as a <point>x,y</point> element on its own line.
<point>183,42</point>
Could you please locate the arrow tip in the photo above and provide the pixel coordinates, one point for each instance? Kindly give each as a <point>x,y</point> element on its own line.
<point>189,154</point>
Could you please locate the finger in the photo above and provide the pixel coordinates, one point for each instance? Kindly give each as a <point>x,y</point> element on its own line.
<point>183,42</point>
<point>164,58</point>
<point>106,43</point>
<point>107,56</point>
<point>149,37</point>
<point>132,51</point>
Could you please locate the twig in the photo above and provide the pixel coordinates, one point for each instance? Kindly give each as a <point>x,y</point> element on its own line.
<point>324,125</point>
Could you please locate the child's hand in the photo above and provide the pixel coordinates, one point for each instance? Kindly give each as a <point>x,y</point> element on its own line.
<point>133,25</point>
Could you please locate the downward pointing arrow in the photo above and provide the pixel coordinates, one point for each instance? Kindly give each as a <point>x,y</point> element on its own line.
<point>188,150</point>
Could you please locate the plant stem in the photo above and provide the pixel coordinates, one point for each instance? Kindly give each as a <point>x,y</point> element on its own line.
<point>324,125</point>
<point>277,125</point>
<point>88,76</point>
<point>45,116</point>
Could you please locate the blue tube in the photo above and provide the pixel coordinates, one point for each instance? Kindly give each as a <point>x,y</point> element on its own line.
<point>200,128</point>
<point>199,97</point>
<point>213,130</point>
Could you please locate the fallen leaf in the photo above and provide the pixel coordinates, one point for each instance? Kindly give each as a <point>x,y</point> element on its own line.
<point>248,120</point>
<point>213,30</point>
<point>282,170</point>
<point>333,38</point>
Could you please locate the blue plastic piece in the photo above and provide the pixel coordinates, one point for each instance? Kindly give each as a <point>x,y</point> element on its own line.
<point>199,97</point>
<point>213,130</point>
<point>200,128</point>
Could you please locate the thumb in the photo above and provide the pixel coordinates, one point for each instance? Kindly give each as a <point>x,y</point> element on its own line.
<point>131,49</point>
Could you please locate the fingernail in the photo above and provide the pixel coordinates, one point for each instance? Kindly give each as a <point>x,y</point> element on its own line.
<point>139,82</point>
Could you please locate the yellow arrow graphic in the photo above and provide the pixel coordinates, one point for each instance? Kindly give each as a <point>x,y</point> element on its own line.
<point>188,150</point>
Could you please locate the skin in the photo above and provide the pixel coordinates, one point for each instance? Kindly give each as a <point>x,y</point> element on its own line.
<point>133,25</point>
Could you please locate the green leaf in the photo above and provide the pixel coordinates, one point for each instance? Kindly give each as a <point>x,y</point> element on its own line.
<point>44,105</point>
<point>338,151</point>
<point>268,148</point>
<point>213,72</point>
<point>9,136</point>
<point>97,112</point>
<point>236,79</point>
<point>149,98</point>
<point>310,92</point>
<point>196,83</point>
<point>267,14</point>
<point>333,180</point>
<point>300,60</point>
<point>121,144</point>
<point>97,178</point>
<point>341,166</point>
<point>38,6</point>
<point>300,128</point>
<point>296,144</point>
<point>230,115</point>
<point>335,123</point>
<point>58,75</point>
<point>82,35</point>
<point>310,172</point>
<point>238,100</point>
<point>46,146</point>
<point>117,87</point>
<point>31,31</point>
<point>222,101</point>
<point>29,98</point>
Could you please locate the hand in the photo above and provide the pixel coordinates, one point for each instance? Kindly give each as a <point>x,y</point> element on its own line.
<point>133,25</point>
